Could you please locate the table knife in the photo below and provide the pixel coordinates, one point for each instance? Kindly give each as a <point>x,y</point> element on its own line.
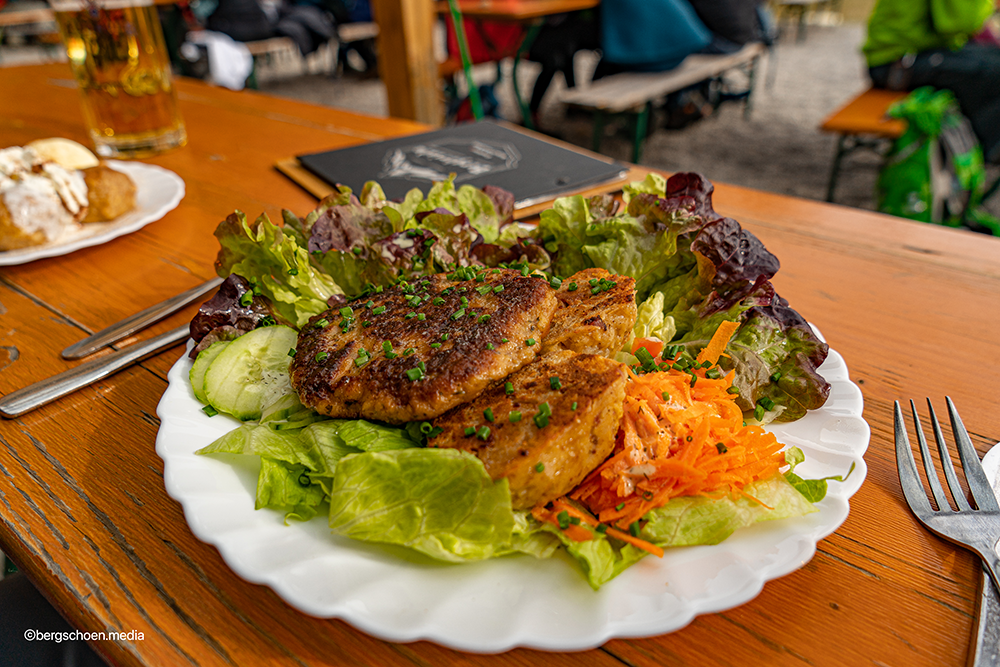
<point>137,322</point>
<point>986,631</point>
<point>38,394</point>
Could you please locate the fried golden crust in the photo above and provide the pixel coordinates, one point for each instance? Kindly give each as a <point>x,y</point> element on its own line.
<point>461,365</point>
<point>110,193</point>
<point>13,237</point>
<point>542,463</point>
<point>589,323</point>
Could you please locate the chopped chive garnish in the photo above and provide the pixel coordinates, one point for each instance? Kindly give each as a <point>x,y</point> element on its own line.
<point>572,287</point>
<point>540,467</point>
<point>766,403</point>
<point>320,323</point>
<point>361,360</point>
<point>483,319</point>
<point>488,413</point>
<point>541,421</point>
<point>601,528</point>
<point>210,411</point>
<point>291,352</point>
<point>733,390</point>
<point>563,519</point>
<point>758,413</point>
<point>721,447</point>
<point>665,395</point>
<point>555,282</point>
<point>444,336</point>
<point>490,346</point>
<point>386,346</point>
<point>410,315</point>
<point>775,376</point>
<point>634,529</point>
<point>529,342</point>
<point>347,311</point>
<point>573,407</point>
<point>555,383</point>
<point>246,299</point>
<point>508,388</point>
<point>470,430</point>
<point>514,417</point>
<point>484,290</point>
<point>378,311</point>
<point>293,272</point>
<point>321,356</point>
<point>458,313</point>
<point>415,374</point>
<point>408,351</point>
<point>503,340</point>
<point>435,345</point>
<point>498,289</point>
<point>619,507</point>
<point>356,250</point>
<point>438,301</point>
<point>483,433</point>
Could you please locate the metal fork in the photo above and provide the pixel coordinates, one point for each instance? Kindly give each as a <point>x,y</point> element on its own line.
<point>975,529</point>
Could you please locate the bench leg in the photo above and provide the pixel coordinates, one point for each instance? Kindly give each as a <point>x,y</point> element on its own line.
<point>842,149</point>
<point>641,124</point>
<point>595,142</point>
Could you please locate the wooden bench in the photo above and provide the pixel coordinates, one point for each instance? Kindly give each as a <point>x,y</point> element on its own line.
<point>634,92</point>
<point>284,47</point>
<point>862,123</point>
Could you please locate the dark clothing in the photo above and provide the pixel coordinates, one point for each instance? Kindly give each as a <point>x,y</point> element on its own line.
<point>733,20</point>
<point>23,609</point>
<point>557,42</point>
<point>243,20</point>
<point>972,73</point>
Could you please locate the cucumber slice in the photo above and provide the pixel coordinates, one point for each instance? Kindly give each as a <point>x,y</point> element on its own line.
<point>251,372</point>
<point>200,366</point>
<point>282,408</point>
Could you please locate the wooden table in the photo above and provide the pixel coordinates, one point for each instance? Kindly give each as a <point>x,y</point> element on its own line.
<point>83,511</point>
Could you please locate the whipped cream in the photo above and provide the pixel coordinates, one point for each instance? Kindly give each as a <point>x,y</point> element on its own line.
<point>40,195</point>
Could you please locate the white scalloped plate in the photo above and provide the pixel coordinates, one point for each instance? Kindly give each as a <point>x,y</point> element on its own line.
<point>497,605</point>
<point>158,191</point>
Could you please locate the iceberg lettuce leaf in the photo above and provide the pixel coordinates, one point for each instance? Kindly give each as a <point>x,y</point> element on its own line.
<point>440,502</point>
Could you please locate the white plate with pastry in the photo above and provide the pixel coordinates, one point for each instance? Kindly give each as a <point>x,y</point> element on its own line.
<point>54,216</point>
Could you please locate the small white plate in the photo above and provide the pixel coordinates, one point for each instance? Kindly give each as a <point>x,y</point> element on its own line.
<point>158,191</point>
<point>500,604</point>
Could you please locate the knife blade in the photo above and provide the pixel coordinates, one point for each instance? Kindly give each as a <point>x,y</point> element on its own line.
<point>986,633</point>
<point>137,322</point>
<point>45,391</point>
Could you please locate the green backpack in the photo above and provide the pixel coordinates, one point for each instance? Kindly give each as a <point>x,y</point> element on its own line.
<point>934,172</point>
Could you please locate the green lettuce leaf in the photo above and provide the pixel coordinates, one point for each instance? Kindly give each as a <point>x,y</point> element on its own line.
<point>600,559</point>
<point>275,265</point>
<point>440,502</point>
<point>698,520</point>
<point>288,489</point>
<point>813,490</point>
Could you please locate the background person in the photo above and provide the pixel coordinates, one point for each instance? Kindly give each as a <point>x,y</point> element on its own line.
<point>914,43</point>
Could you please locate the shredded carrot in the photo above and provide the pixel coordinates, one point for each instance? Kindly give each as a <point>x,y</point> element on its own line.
<point>653,345</point>
<point>682,434</point>
<point>564,506</point>
<point>717,345</point>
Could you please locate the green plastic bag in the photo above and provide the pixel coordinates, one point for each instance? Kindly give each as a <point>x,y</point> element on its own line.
<point>934,172</point>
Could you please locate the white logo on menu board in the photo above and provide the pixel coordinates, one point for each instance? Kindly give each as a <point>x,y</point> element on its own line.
<point>466,158</point>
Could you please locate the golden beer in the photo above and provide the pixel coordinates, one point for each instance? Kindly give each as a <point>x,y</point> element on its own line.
<point>119,58</point>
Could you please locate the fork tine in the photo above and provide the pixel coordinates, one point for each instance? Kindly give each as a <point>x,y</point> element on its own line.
<point>909,480</point>
<point>925,455</point>
<point>949,470</point>
<point>974,475</point>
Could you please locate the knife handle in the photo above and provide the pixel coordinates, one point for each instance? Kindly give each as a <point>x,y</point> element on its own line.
<point>57,386</point>
<point>137,322</point>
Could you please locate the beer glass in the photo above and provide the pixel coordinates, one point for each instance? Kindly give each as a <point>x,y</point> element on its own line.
<point>119,58</point>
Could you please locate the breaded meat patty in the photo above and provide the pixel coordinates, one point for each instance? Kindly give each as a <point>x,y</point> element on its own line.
<point>596,313</point>
<point>545,427</point>
<point>414,351</point>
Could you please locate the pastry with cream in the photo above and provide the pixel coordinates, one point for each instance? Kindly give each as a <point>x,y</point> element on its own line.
<point>49,188</point>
